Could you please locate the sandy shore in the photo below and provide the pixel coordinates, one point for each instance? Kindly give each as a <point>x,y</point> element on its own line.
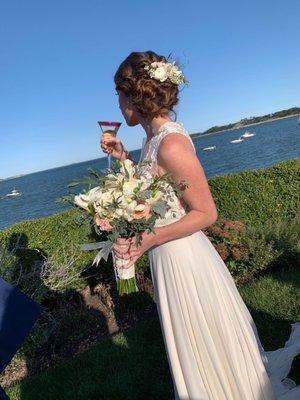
<point>240,127</point>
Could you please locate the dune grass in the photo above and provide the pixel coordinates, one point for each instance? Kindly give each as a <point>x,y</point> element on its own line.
<point>133,364</point>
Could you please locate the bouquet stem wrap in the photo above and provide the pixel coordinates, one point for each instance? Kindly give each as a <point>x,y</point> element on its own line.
<point>125,277</point>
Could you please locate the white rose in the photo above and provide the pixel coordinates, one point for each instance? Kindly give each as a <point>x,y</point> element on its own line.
<point>128,206</point>
<point>128,187</point>
<point>127,216</point>
<point>160,73</point>
<point>131,206</point>
<point>107,197</point>
<point>118,213</point>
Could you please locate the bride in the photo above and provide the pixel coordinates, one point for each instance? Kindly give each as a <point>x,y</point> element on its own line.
<point>212,344</point>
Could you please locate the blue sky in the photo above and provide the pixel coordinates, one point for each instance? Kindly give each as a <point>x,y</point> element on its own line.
<point>58,60</point>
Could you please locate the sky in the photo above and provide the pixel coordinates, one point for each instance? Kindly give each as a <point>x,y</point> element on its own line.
<point>58,59</point>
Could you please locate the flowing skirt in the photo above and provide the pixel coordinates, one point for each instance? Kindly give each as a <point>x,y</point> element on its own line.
<point>212,344</point>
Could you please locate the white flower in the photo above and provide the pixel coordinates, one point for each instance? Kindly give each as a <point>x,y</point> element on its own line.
<point>94,193</point>
<point>131,206</point>
<point>160,74</point>
<point>128,187</point>
<point>130,167</point>
<point>174,75</point>
<point>82,201</point>
<point>163,70</point>
<point>107,197</point>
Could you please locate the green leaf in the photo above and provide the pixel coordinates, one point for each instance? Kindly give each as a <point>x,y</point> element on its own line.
<point>160,207</point>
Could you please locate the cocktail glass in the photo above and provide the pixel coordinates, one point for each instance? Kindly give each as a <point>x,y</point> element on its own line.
<point>109,129</point>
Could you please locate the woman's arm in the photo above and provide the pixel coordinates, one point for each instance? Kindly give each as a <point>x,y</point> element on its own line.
<point>176,155</point>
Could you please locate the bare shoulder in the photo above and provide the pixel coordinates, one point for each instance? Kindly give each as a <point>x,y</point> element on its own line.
<point>172,148</point>
<point>175,140</point>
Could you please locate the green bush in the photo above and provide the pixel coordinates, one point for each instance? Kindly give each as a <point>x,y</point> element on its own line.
<point>274,244</point>
<point>258,196</point>
<point>35,241</point>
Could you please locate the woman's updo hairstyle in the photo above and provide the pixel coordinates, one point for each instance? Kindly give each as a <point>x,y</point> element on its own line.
<point>149,96</point>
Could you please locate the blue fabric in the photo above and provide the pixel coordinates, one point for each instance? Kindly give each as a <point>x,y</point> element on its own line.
<point>3,395</point>
<point>18,313</point>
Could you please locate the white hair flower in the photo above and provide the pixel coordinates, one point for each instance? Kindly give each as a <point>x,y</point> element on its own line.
<point>165,70</point>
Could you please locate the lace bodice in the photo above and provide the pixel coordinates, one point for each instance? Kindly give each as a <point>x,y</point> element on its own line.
<point>149,152</point>
<point>150,148</point>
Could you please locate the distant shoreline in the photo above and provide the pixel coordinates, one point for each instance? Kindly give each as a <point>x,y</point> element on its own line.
<point>192,135</point>
<point>11,177</point>
<point>196,135</point>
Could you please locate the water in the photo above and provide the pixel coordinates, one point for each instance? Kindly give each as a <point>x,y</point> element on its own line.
<point>274,141</point>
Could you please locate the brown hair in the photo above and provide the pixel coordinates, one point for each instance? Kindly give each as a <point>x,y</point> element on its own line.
<point>149,96</point>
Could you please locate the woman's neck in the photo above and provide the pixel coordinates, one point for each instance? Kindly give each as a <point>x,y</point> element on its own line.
<point>152,127</point>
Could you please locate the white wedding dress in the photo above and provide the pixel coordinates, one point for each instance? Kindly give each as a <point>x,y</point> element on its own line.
<point>211,340</point>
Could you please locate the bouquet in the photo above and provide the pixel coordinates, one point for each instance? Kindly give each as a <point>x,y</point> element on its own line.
<point>126,203</point>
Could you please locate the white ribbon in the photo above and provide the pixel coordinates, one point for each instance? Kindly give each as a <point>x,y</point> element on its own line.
<point>106,247</point>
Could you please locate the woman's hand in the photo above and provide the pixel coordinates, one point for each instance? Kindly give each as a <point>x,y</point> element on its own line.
<point>114,146</point>
<point>126,248</point>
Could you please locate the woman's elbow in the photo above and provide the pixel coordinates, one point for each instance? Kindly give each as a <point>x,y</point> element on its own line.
<point>212,216</point>
<point>208,218</point>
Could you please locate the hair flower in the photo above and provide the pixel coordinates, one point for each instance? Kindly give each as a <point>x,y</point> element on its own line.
<point>165,70</point>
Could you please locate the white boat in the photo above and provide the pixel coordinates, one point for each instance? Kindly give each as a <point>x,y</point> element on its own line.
<point>299,121</point>
<point>14,193</point>
<point>209,148</point>
<point>248,134</point>
<point>240,139</point>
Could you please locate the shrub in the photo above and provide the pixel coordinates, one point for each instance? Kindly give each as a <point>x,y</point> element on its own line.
<point>259,196</point>
<point>255,198</point>
<point>250,249</point>
<point>50,238</point>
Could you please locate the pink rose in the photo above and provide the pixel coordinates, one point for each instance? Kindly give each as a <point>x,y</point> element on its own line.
<point>103,223</point>
<point>145,212</point>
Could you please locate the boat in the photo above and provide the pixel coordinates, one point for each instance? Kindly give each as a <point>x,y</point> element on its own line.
<point>240,139</point>
<point>299,121</point>
<point>209,148</point>
<point>247,134</point>
<point>14,193</point>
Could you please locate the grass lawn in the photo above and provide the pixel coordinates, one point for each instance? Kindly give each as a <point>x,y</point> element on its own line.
<point>133,364</point>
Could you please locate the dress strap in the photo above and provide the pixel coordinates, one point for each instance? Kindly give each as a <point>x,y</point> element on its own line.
<point>172,127</point>
<point>150,148</point>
